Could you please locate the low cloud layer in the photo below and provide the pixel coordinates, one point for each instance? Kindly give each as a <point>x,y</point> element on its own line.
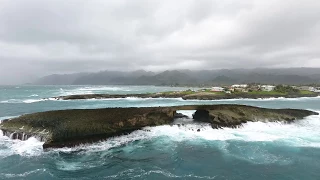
<point>41,37</point>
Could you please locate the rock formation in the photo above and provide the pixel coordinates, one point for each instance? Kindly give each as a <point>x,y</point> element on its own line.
<point>73,127</point>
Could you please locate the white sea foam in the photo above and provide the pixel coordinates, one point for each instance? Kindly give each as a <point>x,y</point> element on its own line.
<point>132,99</point>
<point>188,113</point>
<point>143,99</point>
<point>135,98</point>
<point>259,99</point>
<point>21,175</point>
<point>30,147</point>
<point>90,90</point>
<point>100,88</point>
<point>28,101</point>
<point>141,173</point>
<point>302,133</point>
<point>10,101</point>
<point>34,95</point>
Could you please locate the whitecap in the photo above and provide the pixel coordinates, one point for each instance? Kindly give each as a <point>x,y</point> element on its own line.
<point>28,101</point>
<point>135,98</point>
<point>100,88</point>
<point>10,101</point>
<point>34,95</point>
<point>21,175</point>
<point>89,90</point>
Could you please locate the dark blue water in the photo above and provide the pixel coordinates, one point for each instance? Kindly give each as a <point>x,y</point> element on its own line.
<point>255,151</point>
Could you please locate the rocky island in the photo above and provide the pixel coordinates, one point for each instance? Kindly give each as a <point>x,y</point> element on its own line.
<point>77,126</point>
<point>195,95</point>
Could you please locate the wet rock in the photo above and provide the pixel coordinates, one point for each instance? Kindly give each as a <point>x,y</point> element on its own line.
<point>73,127</point>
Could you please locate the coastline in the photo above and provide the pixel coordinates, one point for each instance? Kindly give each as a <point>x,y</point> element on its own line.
<point>195,96</point>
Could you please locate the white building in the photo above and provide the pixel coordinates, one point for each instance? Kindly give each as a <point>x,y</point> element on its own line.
<point>314,89</point>
<point>217,89</point>
<point>304,88</point>
<point>267,87</point>
<point>239,86</point>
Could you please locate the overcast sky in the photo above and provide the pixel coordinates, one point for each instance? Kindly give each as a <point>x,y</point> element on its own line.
<point>41,37</point>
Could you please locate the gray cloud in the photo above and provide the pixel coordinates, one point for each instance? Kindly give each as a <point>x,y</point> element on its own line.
<point>41,37</point>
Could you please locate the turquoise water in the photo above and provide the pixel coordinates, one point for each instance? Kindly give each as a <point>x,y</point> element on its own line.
<point>255,151</point>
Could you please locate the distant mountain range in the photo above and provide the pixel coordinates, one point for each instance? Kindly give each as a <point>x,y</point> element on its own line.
<point>188,77</point>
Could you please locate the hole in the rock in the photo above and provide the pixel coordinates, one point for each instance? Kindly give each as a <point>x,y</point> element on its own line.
<point>201,115</point>
<point>184,114</point>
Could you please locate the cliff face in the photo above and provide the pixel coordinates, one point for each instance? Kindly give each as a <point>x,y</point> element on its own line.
<point>73,127</point>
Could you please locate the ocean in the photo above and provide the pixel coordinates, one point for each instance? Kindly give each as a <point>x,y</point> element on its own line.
<point>255,151</point>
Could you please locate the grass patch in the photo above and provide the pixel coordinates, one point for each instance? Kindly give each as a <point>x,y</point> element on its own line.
<point>306,92</point>
<point>187,92</point>
<point>267,93</point>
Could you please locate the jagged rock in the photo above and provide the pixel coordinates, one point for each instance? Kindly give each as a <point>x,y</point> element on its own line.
<point>73,127</point>
<point>235,115</point>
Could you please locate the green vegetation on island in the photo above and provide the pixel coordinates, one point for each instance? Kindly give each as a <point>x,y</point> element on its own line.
<point>214,93</point>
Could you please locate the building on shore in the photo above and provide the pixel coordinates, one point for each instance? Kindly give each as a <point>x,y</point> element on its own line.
<point>217,89</point>
<point>239,86</point>
<point>314,89</point>
<point>307,88</point>
<point>267,87</point>
<point>304,88</point>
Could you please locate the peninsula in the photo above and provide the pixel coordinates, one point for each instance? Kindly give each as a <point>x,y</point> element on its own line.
<point>204,94</point>
<point>78,126</point>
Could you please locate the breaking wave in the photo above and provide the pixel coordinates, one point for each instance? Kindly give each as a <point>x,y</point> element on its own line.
<point>14,101</point>
<point>302,133</point>
<point>30,147</point>
<point>34,95</point>
<point>27,101</point>
<point>91,90</point>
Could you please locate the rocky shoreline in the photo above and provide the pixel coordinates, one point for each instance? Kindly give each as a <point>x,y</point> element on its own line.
<point>194,96</point>
<point>67,128</point>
